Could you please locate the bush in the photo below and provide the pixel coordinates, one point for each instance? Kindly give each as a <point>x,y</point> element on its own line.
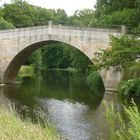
<point>5,25</point>
<point>95,81</point>
<point>130,87</point>
<point>26,71</point>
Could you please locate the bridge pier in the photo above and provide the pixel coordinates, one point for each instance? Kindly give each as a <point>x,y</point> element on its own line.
<point>111,78</point>
<point>3,65</point>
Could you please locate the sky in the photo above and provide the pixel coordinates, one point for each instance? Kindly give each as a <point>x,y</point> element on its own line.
<point>70,6</point>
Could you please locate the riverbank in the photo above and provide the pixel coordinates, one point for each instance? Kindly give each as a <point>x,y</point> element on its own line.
<point>128,121</point>
<point>28,71</point>
<point>12,127</point>
<point>58,69</point>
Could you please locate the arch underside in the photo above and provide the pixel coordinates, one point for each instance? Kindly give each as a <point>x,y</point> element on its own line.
<point>15,64</point>
<point>110,79</point>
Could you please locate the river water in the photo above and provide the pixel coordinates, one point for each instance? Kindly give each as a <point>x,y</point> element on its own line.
<point>67,102</point>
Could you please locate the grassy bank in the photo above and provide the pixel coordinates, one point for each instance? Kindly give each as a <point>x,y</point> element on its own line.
<point>58,69</point>
<point>130,88</point>
<point>14,128</point>
<point>126,126</point>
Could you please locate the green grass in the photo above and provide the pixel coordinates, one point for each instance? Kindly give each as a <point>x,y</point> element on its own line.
<point>120,128</point>
<point>12,127</point>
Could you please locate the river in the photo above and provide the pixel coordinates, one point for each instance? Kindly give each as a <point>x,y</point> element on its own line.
<point>67,102</point>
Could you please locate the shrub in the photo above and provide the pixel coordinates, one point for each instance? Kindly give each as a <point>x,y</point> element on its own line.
<point>130,87</point>
<point>26,71</point>
<point>5,25</point>
<point>95,81</point>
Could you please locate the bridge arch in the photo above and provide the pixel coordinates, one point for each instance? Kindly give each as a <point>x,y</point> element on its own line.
<point>21,56</point>
<point>17,44</point>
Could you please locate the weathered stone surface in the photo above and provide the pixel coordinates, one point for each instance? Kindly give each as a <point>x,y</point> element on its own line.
<point>17,44</point>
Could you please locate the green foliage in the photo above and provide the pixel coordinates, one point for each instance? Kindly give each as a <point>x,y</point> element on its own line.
<point>113,119</point>
<point>119,128</point>
<point>22,14</point>
<point>5,25</point>
<point>56,56</point>
<point>62,56</point>
<point>35,59</point>
<point>116,12</point>
<point>128,17</point>
<point>80,61</point>
<point>17,13</point>
<point>110,12</point>
<point>26,71</point>
<point>1,12</point>
<point>12,127</point>
<point>134,70</point>
<point>124,52</point>
<point>95,81</point>
<point>130,87</point>
<point>60,16</point>
<point>106,7</point>
<point>83,17</point>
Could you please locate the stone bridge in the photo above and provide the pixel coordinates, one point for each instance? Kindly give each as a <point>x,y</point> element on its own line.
<point>17,44</point>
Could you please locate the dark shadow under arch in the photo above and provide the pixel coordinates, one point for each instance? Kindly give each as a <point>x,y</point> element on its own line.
<point>14,66</point>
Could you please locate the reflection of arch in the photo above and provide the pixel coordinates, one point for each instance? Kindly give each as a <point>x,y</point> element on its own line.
<point>70,89</point>
<point>19,59</point>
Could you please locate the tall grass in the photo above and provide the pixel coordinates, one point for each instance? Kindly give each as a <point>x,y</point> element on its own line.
<point>120,128</point>
<point>12,127</point>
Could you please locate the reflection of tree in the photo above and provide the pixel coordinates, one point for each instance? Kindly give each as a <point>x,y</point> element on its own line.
<point>54,84</point>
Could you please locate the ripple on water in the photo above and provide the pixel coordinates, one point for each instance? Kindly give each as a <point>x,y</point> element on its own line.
<point>69,118</point>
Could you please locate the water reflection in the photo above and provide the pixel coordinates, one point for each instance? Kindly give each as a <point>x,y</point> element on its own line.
<point>67,100</point>
<point>57,85</point>
<point>69,118</point>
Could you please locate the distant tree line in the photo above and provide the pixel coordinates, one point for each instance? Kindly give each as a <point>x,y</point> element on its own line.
<point>20,13</point>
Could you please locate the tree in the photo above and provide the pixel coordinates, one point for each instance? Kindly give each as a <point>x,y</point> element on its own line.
<point>83,17</point>
<point>60,16</point>
<point>16,13</point>
<point>118,12</point>
<point>63,56</point>
<point>105,7</point>
<point>120,18</point>
<point>80,61</point>
<point>22,14</point>
<point>5,25</point>
<point>55,56</point>
<point>124,52</point>
<point>35,59</point>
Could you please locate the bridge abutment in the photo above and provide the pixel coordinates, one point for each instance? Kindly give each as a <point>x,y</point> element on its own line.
<point>111,78</point>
